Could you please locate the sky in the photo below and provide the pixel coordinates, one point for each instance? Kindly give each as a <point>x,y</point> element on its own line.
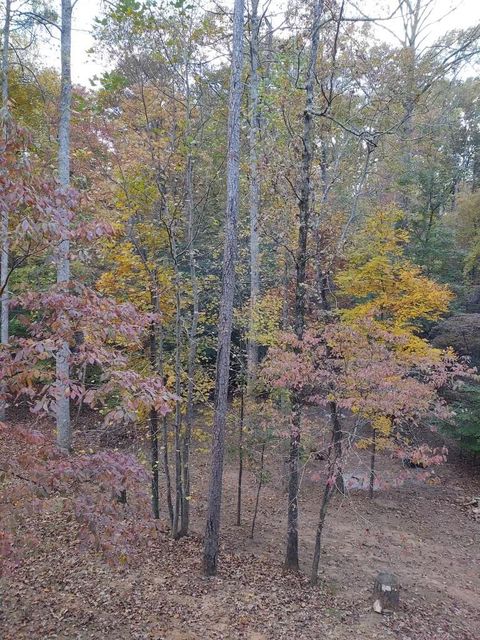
<point>85,66</point>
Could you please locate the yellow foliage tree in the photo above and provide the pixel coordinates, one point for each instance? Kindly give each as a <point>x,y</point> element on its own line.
<point>393,294</point>
<point>386,287</point>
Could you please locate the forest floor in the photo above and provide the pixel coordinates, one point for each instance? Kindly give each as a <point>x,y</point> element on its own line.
<point>421,531</point>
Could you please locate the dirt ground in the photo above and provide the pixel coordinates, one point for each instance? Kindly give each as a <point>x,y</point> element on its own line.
<point>420,531</point>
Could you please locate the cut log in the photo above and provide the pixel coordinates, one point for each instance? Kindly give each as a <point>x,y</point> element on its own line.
<point>386,593</point>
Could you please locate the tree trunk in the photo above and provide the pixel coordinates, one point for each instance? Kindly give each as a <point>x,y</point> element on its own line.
<point>337,434</point>
<point>154,417</point>
<point>212,530</point>
<point>64,433</point>
<point>327,493</point>
<point>259,488</point>
<point>4,223</point>
<point>255,124</point>
<point>291,558</point>
<point>301,258</point>
<point>332,478</point>
<point>154,462</point>
<point>165,445</point>
<point>192,354</point>
<point>372,463</point>
<point>166,469</point>
<point>178,406</point>
<point>240,460</point>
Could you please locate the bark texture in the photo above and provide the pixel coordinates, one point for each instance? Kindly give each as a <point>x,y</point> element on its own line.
<point>212,530</point>
<point>5,247</point>
<point>64,431</point>
<point>255,124</point>
<point>192,354</point>
<point>154,461</point>
<point>301,259</point>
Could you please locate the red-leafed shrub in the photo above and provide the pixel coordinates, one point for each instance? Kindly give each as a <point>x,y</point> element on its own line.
<point>104,493</point>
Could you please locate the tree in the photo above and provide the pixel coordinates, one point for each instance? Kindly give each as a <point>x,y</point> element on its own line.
<point>212,531</point>
<point>385,286</point>
<point>64,434</point>
<point>5,250</point>
<point>363,370</point>
<point>301,259</point>
<point>254,140</point>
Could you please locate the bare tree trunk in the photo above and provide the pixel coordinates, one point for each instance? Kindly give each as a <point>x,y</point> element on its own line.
<point>154,462</point>
<point>165,444</point>
<point>372,463</point>
<point>64,433</point>
<point>154,416</point>
<point>301,258</point>
<point>322,284</point>
<point>291,559</point>
<point>332,478</point>
<point>4,223</point>
<point>327,493</point>
<point>192,354</point>
<point>337,435</point>
<point>240,459</point>
<point>255,124</point>
<point>285,283</point>
<point>166,469</point>
<point>259,488</point>
<point>178,406</point>
<point>212,530</point>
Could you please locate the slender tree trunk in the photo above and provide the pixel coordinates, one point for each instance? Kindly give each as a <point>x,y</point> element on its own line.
<point>154,416</point>
<point>285,284</point>
<point>240,459</point>
<point>337,435</point>
<point>301,258</point>
<point>178,406</point>
<point>212,530</point>
<point>192,345</point>
<point>291,559</point>
<point>372,463</point>
<point>259,488</point>
<point>322,285</point>
<point>4,223</point>
<point>64,433</point>
<point>330,484</point>
<point>166,469</point>
<point>284,401</point>
<point>192,354</point>
<point>411,34</point>
<point>165,444</point>
<point>154,462</point>
<point>255,124</point>
<point>327,493</point>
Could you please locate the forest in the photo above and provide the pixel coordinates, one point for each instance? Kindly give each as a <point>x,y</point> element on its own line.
<point>240,320</point>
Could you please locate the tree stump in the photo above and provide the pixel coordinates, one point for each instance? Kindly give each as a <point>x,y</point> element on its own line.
<point>386,593</point>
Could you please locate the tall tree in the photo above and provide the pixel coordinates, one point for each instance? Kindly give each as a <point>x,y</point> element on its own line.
<point>5,249</point>
<point>192,347</point>
<point>64,431</point>
<point>212,531</point>
<point>301,259</point>
<point>252,347</point>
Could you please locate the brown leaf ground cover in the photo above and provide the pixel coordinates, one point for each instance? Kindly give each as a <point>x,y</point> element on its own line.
<point>62,589</point>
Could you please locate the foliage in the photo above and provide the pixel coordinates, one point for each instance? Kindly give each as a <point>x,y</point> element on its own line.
<point>100,331</point>
<point>105,492</point>
<point>464,422</point>
<point>384,284</point>
<point>362,369</point>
